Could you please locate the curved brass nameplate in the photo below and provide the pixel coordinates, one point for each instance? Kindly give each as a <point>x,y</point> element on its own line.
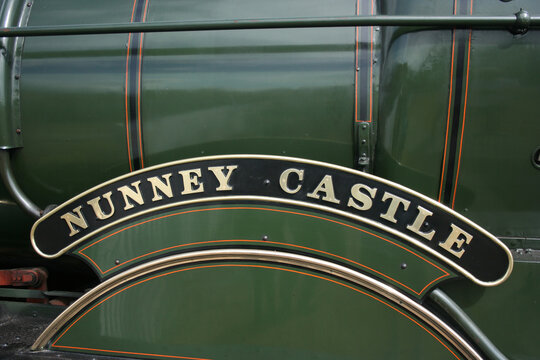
<point>419,220</point>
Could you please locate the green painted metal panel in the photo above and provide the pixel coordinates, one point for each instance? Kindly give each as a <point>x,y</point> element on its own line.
<point>508,314</point>
<point>72,102</point>
<point>497,184</point>
<point>281,91</point>
<point>266,91</point>
<point>246,311</point>
<point>413,110</point>
<point>297,230</point>
<point>290,92</point>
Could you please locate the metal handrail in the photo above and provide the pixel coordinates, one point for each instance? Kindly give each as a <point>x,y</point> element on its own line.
<point>520,20</point>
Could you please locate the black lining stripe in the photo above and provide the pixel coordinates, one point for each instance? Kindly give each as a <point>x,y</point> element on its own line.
<point>135,52</point>
<point>456,114</point>
<point>462,37</point>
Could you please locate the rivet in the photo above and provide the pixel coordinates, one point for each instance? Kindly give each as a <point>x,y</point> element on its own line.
<point>528,251</point>
<point>377,28</point>
<point>403,266</point>
<point>29,4</point>
<point>18,131</point>
<point>117,261</point>
<point>266,182</point>
<point>17,76</point>
<point>357,69</point>
<point>523,21</point>
<point>375,61</point>
<point>265,238</point>
<point>364,126</point>
<point>363,141</point>
<point>426,224</point>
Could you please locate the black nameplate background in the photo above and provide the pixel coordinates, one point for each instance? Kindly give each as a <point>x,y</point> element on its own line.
<point>484,258</point>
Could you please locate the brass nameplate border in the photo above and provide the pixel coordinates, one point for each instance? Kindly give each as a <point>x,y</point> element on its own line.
<point>422,222</point>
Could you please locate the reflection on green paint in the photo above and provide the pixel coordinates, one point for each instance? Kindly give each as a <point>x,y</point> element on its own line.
<point>247,311</point>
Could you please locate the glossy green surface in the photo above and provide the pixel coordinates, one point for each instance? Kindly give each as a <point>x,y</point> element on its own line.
<point>508,314</point>
<point>264,91</point>
<point>281,91</point>
<point>260,91</point>
<point>413,110</point>
<point>248,311</point>
<point>292,229</point>
<point>72,103</point>
<point>285,92</point>
<point>497,183</point>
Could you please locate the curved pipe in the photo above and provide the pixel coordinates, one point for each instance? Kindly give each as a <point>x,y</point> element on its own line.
<point>470,328</point>
<point>13,188</point>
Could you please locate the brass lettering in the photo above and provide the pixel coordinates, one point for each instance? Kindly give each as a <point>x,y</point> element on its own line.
<point>284,179</point>
<point>77,220</point>
<point>164,187</point>
<point>223,178</point>
<point>131,194</point>
<point>97,208</point>
<point>395,201</point>
<point>327,187</point>
<point>419,221</point>
<point>455,240</point>
<point>366,202</point>
<point>190,182</point>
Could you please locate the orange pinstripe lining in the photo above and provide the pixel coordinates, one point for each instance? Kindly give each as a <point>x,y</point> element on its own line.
<point>244,266</point>
<point>449,105</point>
<point>129,352</point>
<point>464,112</point>
<point>269,242</point>
<point>463,123</point>
<point>370,74</point>
<point>371,71</point>
<point>445,273</point>
<point>355,69</point>
<point>126,97</point>
<point>139,100</point>
<point>139,89</point>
